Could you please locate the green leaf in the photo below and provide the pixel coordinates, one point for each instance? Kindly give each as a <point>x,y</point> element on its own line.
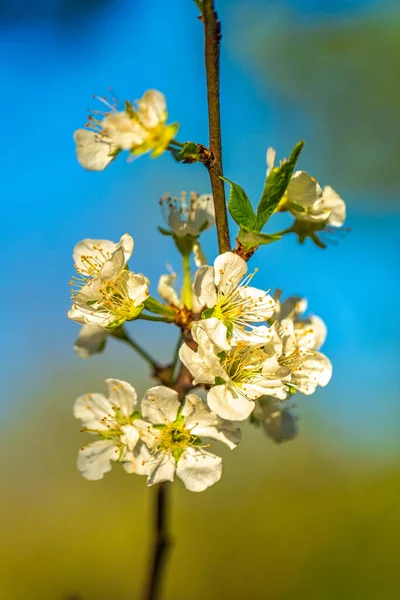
<point>275,186</point>
<point>240,207</point>
<point>200,5</point>
<point>252,239</point>
<point>188,153</point>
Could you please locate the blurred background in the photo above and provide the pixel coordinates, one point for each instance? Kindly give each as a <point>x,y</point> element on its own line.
<point>316,518</point>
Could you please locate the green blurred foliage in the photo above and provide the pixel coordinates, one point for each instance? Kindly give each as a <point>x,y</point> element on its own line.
<point>301,520</point>
<point>341,71</point>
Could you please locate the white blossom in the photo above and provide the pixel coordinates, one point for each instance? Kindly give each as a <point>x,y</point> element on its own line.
<point>188,216</point>
<point>137,130</point>
<point>233,305</point>
<point>105,292</point>
<point>113,420</point>
<point>308,202</point>
<point>306,369</point>
<point>175,433</point>
<point>310,331</point>
<point>237,377</point>
<point>167,291</point>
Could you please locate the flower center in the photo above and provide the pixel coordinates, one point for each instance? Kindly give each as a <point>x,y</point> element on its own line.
<point>294,360</point>
<point>174,438</point>
<point>115,298</point>
<point>243,362</point>
<point>88,269</point>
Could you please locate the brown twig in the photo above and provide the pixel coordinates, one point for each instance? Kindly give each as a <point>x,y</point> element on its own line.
<point>160,545</point>
<point>212,31</point>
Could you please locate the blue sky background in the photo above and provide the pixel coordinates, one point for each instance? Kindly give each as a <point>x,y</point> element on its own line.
<point>50,69</point>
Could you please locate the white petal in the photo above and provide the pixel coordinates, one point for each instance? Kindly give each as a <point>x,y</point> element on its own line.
<point>92,410</point>
<point>204,286</point>
<point>217,332</point>
<point>316,370</point>
<point>122,395</point>
<point>161,468</point>
<point>152,109</point>
<point>229,269</point>
<point>199,469</point>
<point>205,424</point>
<point>258,305</point>
<point>303,190</point>
<point>261,386</point>
<point>310,333</point>
<point>166,290</point>
<point>126,243</point>
<point>137,460</point>
<point>201,370</point>
<point>227,403</point>
<point>91,340</point>
<point>99,250</point>
<point>92,150</point>
<point>336,205</point>
<point>160,405</point>
<point>137,286</point>
<point>95,459</point>
<point>199,257</point>
<point>130,436</point>
<point>114,266</point>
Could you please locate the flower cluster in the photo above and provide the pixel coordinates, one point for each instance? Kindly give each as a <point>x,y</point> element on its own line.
<point>246,351</point>
<point>158,437</point>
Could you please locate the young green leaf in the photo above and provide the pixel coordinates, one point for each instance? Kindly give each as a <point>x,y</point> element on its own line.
<point>188,153</point>
<point>252,239</point>
<point>240,207</point>
<point>275,186</point>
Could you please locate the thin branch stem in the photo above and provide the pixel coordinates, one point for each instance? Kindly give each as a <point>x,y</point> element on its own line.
<point>161,543</point>
<point>212,30</point>
<point>122,335</point>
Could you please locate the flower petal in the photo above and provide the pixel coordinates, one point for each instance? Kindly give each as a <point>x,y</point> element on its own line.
<point>336,205</point>
<point>137,286</point>
<point>316,370</point>
<point>227,403</point>
<point>205,424</point>
<point>217,332</point>
<point>95,459</point>
<point>137,460</point>
<point>204,286</point>
<point>258,305</point>
<point>303,190</point>
<point>199,469</point>
<point>166,290</point>
<point>152,109</point>
<point>199,257</point>
<point>162,469</point>
<point>92,150</point>
<point>122,395</point>
<point>114,266</point>
<point>93,410</point>
<point>160,404</point>
<point>130,436</point>
<point>229,269</point>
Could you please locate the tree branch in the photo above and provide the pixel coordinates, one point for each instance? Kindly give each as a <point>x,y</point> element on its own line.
<point>212,31</point>
<point>160,544</point>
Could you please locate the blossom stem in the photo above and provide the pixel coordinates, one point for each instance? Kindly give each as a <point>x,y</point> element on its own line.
<point>121,334</point>
<point>212,31</point>
<point>187,283</point>
<point>144,317</point>
<point>160,545</point>
<point>176,143</point>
